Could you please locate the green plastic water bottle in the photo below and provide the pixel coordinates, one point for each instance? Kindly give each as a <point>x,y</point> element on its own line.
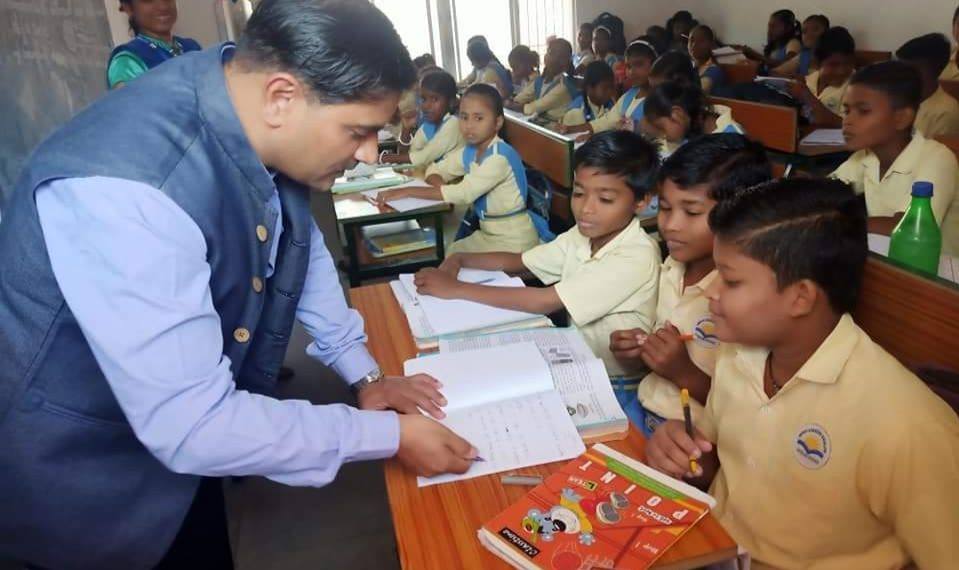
<point>917,240</point>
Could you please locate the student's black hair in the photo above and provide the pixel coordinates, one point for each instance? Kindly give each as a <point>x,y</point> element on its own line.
<point>595,73</point>
<point>801,228</point>
<point>896,79</point>
<point>622,153</point>
<point>425,60</point>
<point>727,162</point>
<point>690,98</point>
<point>706,30</point>
<point>955,15</point>
<point>134,27</point>
<point>316,41</point>
<point>821,18</point>
<point>563,42</point>
<point>931,51</point>
<point>587,26</point>
<point>793,30</point>
<point>677,67</point>
<point>441,83</point>
<point>659,37</point>
<point>488,92</point>
<point>835,40</point>
<point>680,16</point>
<point>525,54</point>
<point>643,46</point>
<point>479,52</point>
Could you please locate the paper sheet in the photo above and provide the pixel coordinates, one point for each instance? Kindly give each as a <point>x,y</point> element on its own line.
<point>405,204</point>
<point>513,434</point>
<point>824,137</point>
<point>488,375</point>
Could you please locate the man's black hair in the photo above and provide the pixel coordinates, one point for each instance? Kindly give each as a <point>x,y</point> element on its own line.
<point>621,153</point>
<point>801,228</point>
<point>319,42</point>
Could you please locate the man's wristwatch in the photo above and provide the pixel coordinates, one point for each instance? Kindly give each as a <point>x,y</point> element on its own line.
<point>373,377</point>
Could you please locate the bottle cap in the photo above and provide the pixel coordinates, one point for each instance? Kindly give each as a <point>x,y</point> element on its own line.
<point>922,189</point>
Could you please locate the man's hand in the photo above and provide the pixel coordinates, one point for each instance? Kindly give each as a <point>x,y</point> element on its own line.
<point>407,395</point>
<point>665,353</point>
<point>432,281</point>
<point>670,449</point>
<point>429,448</point>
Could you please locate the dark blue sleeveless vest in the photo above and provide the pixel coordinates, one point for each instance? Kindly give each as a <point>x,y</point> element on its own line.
<point>77,489</point>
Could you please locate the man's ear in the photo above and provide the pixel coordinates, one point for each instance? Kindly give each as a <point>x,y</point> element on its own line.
<point>281,92</point>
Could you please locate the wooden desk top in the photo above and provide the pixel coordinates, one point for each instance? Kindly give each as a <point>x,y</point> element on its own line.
<point>436,526</point>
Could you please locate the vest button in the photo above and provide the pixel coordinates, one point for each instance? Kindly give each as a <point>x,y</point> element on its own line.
<point>241,335</point>
<point>257,284</point>
<point>261,233</point>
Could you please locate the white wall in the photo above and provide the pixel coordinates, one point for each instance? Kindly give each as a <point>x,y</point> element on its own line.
<point>876,24</point>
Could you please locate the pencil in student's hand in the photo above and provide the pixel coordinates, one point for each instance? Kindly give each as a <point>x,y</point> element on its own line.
<point>687,416</point>
<point>686,337</point>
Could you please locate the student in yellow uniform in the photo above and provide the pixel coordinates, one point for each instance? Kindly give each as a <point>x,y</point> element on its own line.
<point>880,109</point>
<point>831,454</point>
<point>493,181</point>
<point>951,71</point>
<point>603,271</point>
<point>782,40</point>
<point>603,46</point>
<point>939,112</point>
<point>439,132</point>
<point>801,64</point>
<point>691,182</point>
<point>823,90</point>
<point>487,69</point>
<point>550,94</point>
<point>628,110</point>
<point>676,113</point>
<point>702,42</point>
<point>523,67</point>
<point>584,56</point>
<point>595,100</point>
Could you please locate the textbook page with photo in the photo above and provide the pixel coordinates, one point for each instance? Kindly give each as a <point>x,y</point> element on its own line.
<point>601,510</point>
<point>578,375</point>
<point>501,399</point>
<point>431,318</point>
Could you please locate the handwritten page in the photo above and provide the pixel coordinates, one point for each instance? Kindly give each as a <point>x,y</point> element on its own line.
<point>513,434</point>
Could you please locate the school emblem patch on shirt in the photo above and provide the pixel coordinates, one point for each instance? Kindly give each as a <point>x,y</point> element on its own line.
<point>704,332</point>
<point>812,446</point>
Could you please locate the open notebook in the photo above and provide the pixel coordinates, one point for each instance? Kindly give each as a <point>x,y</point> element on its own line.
<point>578,376</point>
<point>405,204</point>
<point>502,400</point>
<point>431,318</point>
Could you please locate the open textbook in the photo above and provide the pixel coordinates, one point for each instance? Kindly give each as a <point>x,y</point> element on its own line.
<point>578,376</point>
<point>502,400</point>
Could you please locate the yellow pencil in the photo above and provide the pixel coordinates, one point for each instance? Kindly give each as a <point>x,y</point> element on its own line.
<point>684,397</point>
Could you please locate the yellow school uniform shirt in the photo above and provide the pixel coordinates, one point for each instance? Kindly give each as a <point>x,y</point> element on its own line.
<point>447,138</point>
<point>688,310</point>
<point>853,464</point>
<point>553,102</point>
<point>922,159</point>
<point>494,178</point>
<point>951,71</point>
<point>611,290</point>
<point>831,97</point>
<point>574,117</point>
<point>612,118</point>
<point>938,115</point>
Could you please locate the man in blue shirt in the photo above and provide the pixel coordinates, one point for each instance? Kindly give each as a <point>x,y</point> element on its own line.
<point>156,251</point>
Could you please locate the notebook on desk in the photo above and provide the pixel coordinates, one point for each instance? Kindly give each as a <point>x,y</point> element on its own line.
<point>502,400</point>
<point>431,319</point>
<point>578,375</point>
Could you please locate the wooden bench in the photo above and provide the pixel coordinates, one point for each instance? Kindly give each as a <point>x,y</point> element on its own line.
<point>866,57</point>
<point>742,72</point>
<point>774,126</point>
